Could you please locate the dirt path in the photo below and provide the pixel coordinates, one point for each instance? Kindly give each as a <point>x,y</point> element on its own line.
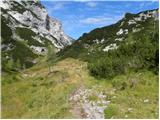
<point>88,104</point>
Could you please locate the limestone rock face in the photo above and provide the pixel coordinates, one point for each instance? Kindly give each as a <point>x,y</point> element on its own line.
<point>28,31</point>
<point>32,15</point>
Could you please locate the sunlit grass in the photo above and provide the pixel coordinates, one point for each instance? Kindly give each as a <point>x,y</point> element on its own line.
<point>38,93</point>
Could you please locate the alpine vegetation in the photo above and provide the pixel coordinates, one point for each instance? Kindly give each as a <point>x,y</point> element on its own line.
<point>27,30</point>
<point>110,72</point>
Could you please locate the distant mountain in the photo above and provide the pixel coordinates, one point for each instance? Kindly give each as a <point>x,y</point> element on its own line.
<point>110,37</point>
<point>131,42</point>
<point>27,30</point>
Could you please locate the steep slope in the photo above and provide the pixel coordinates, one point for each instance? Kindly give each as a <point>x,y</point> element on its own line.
<point>131,43</point>
<point>110,37</point>
<point>27,31</point>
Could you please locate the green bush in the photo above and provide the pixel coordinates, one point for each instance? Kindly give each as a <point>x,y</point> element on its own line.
<point>138,53</point>
<point>107,67</point>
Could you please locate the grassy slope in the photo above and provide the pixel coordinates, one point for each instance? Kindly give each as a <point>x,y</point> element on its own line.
<point>37,94</point>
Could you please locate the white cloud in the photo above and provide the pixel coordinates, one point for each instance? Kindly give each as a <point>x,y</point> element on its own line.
<point>93,20</point>
<point>100,20</point>
<point>91,4</point>
<point>58,6</point>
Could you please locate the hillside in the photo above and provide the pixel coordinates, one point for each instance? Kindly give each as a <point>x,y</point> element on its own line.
<point>129,44</point>
<point>27,32</point>
<point>105,39</point>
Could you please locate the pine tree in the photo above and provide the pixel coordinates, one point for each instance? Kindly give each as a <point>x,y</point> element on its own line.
<point>51,57</point>
<point>10,63</point>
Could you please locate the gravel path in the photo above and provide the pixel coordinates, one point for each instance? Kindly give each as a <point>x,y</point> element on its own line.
<point>88,104</point>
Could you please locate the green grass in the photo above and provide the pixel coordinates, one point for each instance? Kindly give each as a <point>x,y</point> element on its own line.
<point>110,111</point>
<point>145,88</point>
<point>35,98</point>
<point>39,94</point>
<point>43,95</point>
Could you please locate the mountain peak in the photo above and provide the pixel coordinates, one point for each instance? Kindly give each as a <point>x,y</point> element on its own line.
<point>33,15</point>
<point>27,23</point>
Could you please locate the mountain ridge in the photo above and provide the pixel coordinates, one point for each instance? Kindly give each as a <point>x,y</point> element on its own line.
<point>31,17</point>
<point>156,9</point>
<point>115,33</point>
<point>129,44</point>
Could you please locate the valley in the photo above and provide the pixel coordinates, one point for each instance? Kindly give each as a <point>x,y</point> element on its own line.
<point>111,72</point>
<point>38,93</point>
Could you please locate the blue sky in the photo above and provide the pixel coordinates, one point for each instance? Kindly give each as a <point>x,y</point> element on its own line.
<point>78,17</point>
